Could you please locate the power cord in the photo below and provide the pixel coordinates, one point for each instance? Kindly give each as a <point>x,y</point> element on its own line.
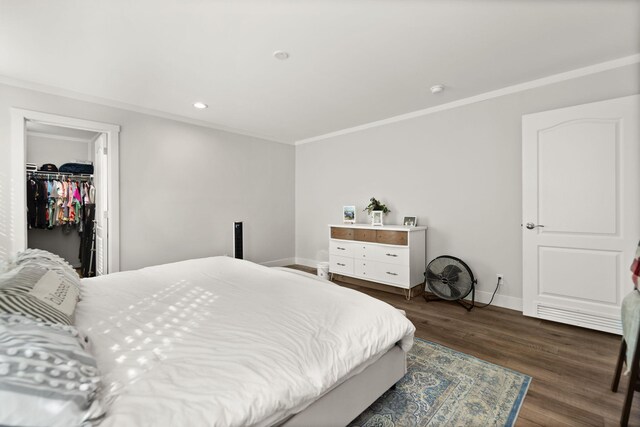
<point>492,296</point>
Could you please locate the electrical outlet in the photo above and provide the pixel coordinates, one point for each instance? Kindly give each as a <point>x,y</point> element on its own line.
<point>500,277</point>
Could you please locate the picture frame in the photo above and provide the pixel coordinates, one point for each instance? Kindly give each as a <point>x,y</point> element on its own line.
<point>349,214</point>
<point>376,218</point>
<point>411,221</point>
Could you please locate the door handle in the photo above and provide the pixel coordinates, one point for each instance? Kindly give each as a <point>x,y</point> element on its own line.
<point>531,225</point>
<point>393,255</point>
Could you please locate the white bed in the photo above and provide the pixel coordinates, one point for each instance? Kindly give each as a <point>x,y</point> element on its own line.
<point>224,342</point>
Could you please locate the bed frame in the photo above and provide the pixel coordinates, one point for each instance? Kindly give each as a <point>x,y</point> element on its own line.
<point>340,405</point>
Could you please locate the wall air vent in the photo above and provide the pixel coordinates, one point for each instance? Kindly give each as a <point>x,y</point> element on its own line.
<point>580,318</point>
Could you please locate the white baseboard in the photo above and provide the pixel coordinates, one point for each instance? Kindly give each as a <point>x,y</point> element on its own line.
<point>504,301</point>
<point>279,262</point>
<point>482,297</point>
<point>308,262</point>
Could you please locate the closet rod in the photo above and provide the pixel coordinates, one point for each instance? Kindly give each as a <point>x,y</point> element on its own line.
<point>76,177</point>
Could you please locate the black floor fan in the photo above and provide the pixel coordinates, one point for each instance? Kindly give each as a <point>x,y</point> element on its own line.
<point>449,278</point>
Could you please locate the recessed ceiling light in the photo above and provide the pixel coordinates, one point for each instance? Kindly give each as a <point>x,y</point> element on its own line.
<point>281,55</point>
<point>437,89</point>
<point>200,105</point>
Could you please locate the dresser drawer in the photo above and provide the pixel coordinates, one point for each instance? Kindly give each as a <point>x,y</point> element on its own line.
<point>392,273</point>
<point>389,254</point>
<point>342,233</point>
<point>340,264</point>
<point>362,251</point>
<point>392,237</point>
<point>341,248</point>
<point>365,235</point>
<point>364,269</point>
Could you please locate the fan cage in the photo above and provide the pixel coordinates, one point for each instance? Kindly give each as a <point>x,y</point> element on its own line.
<point>449,278</point>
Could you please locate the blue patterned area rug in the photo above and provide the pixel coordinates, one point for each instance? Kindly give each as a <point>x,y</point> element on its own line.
<point>444,387</point>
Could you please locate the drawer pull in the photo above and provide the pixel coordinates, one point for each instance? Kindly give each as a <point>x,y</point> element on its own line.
<point>394,255</point>
<point>393,274</point>
<point>340,249</point>
<point>341,264</point>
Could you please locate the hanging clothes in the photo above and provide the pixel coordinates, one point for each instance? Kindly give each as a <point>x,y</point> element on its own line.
<point>65,202</point>
<point>52,203</point>
<point>58,202</point>
<point>68,203</point>
<point>77,203</point>
<point>42,199</point>
<point>32,191</point>
<point>87,251</point>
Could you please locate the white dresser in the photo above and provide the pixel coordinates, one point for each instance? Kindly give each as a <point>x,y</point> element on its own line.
<point>393,255</point>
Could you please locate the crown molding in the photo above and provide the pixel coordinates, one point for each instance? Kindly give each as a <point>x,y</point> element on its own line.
<point>556,78</point>
<point>53,90</point>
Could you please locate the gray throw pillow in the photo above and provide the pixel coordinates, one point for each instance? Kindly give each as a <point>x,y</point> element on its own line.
<point>50,261</point>
<point>39,292</point>
<point>46,377</point>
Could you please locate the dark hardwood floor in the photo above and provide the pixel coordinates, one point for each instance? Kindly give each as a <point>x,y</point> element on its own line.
<point>572,368</point>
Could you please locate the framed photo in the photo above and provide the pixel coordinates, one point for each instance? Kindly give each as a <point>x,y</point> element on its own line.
<point>411,221</point>
<point>349,214</point>
<point>376,218</point>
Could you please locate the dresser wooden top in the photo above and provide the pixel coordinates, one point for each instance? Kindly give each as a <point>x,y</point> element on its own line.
<point>380,227</point>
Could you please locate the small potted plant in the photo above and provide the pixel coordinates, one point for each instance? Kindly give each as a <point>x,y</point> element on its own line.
<point>377,209</point>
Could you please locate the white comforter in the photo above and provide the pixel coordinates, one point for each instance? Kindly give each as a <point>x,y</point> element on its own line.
<point>223,342</point>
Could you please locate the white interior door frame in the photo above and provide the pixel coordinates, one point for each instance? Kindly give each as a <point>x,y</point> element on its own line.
<point>18,187</point>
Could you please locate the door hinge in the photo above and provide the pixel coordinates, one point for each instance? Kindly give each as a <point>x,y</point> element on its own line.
<point>104,151</point>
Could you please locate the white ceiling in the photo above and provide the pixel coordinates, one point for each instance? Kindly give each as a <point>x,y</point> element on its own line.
<point>352,61</point>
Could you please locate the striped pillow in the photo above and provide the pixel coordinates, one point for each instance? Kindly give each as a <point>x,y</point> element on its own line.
<point>38,292</point>
<point>50,261</point>
<point>46,377</point>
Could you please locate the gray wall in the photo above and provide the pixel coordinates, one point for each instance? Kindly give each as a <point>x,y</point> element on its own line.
<point>181,186</point>
<point>458,170</point>
<point>41,150</point>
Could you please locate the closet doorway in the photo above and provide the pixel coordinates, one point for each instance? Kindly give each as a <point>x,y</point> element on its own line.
<point>85,234</point>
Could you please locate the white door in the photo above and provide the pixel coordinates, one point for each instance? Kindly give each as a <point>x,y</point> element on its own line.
<point>102,207</point>
<point>581,211</point>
